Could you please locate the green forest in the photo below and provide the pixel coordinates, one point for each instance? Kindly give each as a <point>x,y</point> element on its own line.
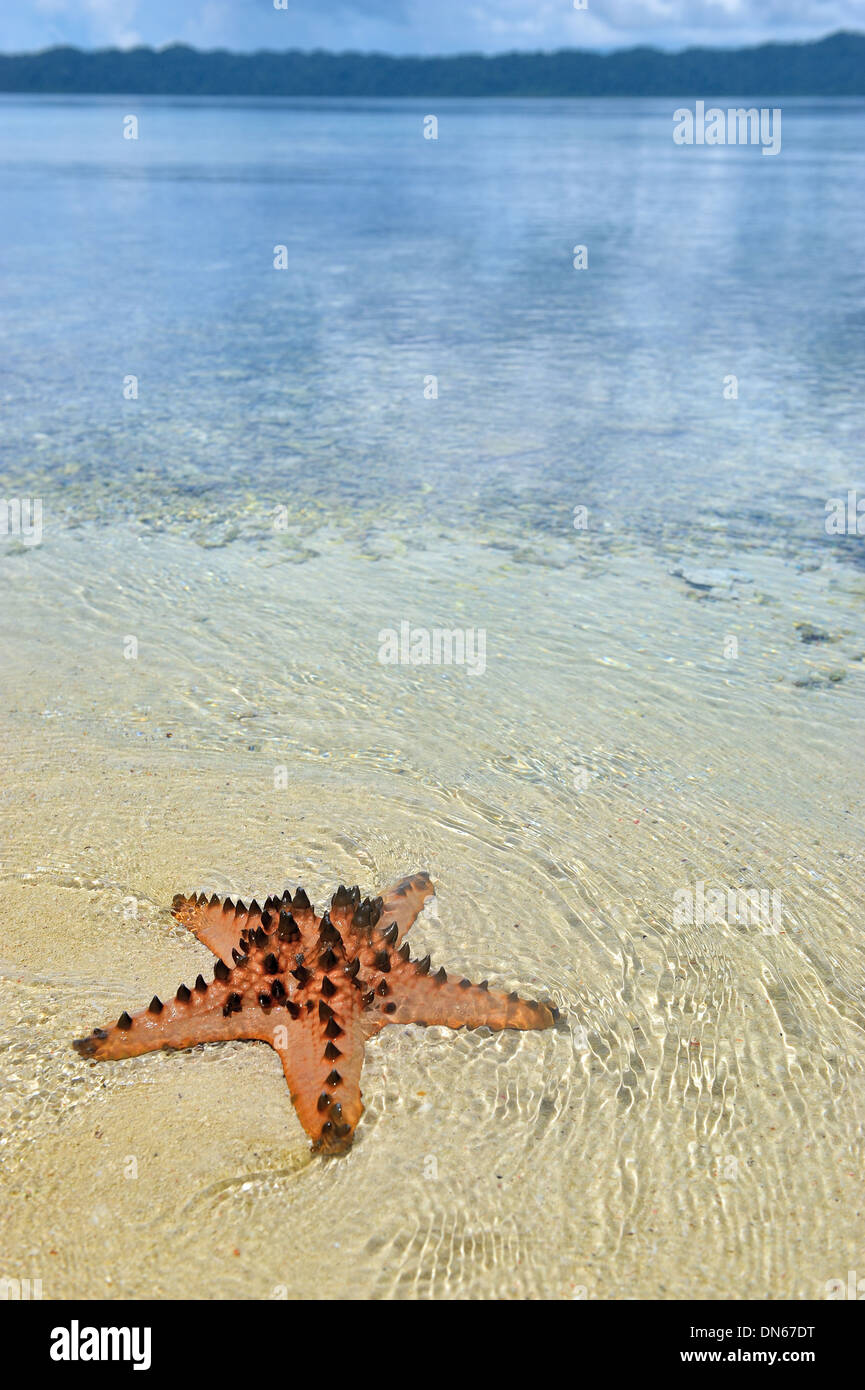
<point>834,66</point>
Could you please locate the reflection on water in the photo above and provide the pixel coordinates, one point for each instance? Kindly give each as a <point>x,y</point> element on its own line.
<point>409,259</point>
<point>671,702</point>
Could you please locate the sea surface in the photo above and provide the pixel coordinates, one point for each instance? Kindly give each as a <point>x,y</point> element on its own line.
<point>245,478</point>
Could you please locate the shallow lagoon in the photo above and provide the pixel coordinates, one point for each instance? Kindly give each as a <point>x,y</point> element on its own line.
<point>671,695</point>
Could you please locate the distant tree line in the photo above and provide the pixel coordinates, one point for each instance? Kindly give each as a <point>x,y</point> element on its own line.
<point>834,66</point>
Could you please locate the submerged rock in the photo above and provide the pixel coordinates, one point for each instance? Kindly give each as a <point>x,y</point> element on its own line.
<point>819,680</point>
<point>708,579</point>
<point>809,633</point>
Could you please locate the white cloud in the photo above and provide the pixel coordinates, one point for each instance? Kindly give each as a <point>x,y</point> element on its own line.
<point>684,16</point>
<point>111,22</point>
<point>419,26</point>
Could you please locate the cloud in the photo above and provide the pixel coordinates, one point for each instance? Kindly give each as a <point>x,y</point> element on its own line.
<point>722,15</point>
<point>419,26</point>
<point>105,23</point>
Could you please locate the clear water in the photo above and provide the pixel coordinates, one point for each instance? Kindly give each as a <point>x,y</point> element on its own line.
<point>409,257</point>
<point>281,491</point>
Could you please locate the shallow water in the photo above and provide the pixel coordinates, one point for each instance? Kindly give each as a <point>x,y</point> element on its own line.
<point>693,1127</point>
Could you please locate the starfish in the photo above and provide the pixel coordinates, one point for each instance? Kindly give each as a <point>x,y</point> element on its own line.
<point>315,988</point>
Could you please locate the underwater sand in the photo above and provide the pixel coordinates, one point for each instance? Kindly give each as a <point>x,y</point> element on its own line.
<point>692,1128</point>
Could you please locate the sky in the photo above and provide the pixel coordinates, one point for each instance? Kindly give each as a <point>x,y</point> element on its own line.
<point>418,26</point>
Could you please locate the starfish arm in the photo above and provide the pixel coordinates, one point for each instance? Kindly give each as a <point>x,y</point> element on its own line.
<point>216,924</point>
<point>192,1017</point>
<point>323,1075</point>
<point>423,998</point>
<point>402,902</point>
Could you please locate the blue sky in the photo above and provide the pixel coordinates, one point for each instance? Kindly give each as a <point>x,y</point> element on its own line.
<point>418,26</point>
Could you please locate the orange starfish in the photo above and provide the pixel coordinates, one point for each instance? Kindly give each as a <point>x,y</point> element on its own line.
<point>315,988</point>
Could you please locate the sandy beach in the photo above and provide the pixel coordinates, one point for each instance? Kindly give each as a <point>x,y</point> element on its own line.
<point>692,1128</point>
